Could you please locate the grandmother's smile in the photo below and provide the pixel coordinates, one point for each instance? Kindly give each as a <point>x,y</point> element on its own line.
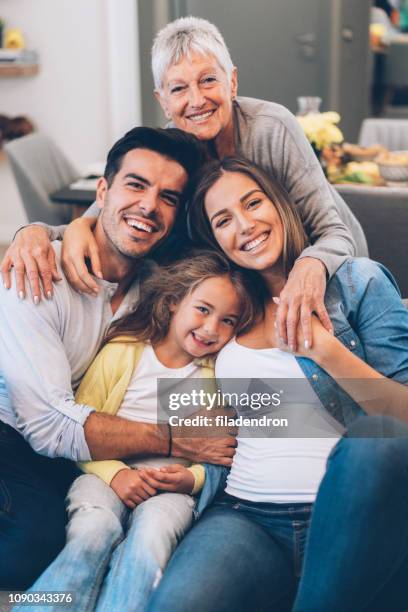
<point>197,96</point>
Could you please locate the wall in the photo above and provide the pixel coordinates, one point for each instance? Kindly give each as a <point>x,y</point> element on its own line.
<point>85,47</point>
<point>154,15</point>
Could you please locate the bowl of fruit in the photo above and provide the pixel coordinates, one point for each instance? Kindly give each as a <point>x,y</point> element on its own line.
<point>393,167</point>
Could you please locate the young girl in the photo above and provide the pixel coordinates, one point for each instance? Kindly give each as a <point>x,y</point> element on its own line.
<point>308,522</point>
<point>189,311</point>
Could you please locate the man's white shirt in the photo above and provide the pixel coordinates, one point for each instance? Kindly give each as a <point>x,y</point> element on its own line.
<point>45,350</point>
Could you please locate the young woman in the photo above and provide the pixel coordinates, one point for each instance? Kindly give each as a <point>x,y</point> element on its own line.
<point>305,522</point>
<point>190,310</point>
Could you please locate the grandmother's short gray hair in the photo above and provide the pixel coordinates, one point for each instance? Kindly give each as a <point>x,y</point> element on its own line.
<point>185,36</point>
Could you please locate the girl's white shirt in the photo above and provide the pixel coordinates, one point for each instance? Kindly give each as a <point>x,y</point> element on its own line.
<point>140,400</point>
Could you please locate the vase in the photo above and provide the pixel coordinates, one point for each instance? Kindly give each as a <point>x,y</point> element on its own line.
<point>308,105</point>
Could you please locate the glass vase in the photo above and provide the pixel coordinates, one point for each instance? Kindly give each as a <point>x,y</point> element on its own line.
<point>308,105</point>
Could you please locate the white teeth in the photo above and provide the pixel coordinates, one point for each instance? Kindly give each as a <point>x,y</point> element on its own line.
<point>207,342</point>
<point>139,225</point>
<point>201,117</point>
<point>248,246</point>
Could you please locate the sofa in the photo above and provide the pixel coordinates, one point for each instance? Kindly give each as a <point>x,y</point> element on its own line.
<point>383,214</point>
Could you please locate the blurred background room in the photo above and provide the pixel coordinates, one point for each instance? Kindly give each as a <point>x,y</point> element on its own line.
<point>75,75</point>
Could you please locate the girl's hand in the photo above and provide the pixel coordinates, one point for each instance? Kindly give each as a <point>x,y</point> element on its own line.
<point>175,478</point>
<point>131,488</point>
<point>78,245</point>
<point>31,254</point>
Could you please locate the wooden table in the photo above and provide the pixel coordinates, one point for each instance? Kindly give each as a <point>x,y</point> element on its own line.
<point>79,199</point>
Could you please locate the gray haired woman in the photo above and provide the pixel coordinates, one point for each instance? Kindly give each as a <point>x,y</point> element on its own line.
<point>196,85</point>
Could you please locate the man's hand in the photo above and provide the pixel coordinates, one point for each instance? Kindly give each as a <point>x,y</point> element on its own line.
<point>302,295</point>
<point>78,245</point>
<point>206,450</point>
<point>131,488</point>
<point>175,478</point>
<point>31,254</point>
<point>207,443</point>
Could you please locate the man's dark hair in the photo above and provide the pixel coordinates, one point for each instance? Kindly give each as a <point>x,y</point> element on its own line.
<point>173,143</point>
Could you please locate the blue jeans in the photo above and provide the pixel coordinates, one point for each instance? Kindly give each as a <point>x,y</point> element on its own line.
<point>32,509</point>
<point>113,557</point>
<point>245,556</point>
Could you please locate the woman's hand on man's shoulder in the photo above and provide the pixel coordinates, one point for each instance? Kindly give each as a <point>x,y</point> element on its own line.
<point>32,256</point>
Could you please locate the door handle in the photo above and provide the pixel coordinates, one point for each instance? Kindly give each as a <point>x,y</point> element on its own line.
<point>307,45</point>
<point>347,34</point>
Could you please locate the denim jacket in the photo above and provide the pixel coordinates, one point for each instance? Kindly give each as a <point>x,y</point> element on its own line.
<point>368,316</point>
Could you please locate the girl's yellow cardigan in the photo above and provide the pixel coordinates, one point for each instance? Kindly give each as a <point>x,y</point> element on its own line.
<point>104,386</point>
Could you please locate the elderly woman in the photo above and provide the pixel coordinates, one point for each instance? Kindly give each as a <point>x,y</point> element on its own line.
<point>196,85</point>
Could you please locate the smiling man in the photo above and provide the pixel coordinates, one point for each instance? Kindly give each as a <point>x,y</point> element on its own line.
<point>150,221</point>
<point>46,348</point>
<point>139,203</point>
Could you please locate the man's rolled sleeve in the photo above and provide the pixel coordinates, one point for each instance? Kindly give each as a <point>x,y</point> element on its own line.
<point>56,435</point>
<point>37,374</point>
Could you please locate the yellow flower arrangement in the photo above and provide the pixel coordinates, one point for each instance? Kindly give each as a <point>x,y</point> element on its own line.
<point>321,129</point>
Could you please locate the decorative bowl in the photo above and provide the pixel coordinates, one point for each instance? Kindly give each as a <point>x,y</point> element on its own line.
<point>393,167</point>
